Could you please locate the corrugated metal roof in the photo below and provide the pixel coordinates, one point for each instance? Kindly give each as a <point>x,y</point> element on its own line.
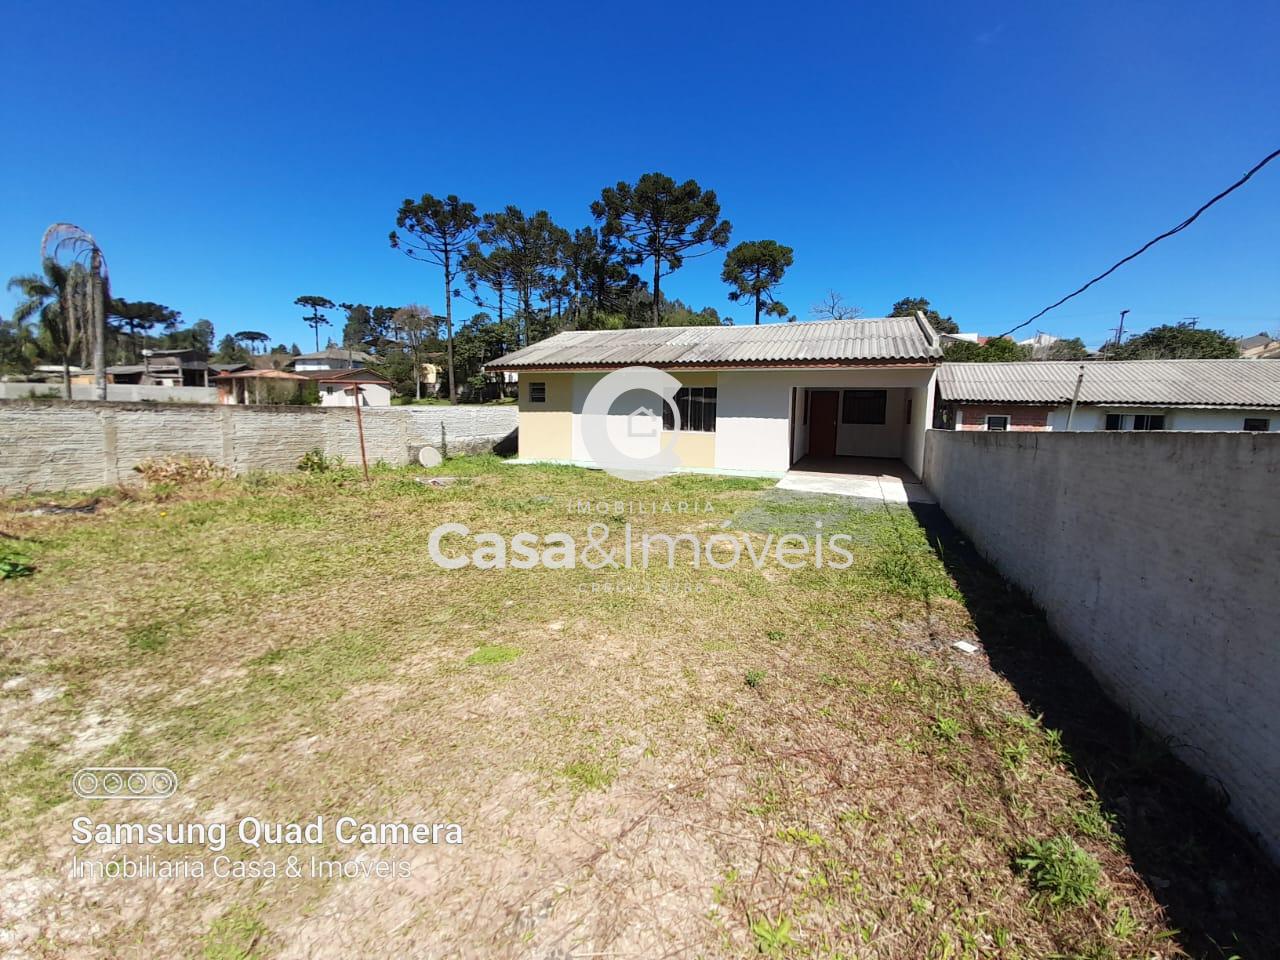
<point>1218,383</point>
<point>791,344</point>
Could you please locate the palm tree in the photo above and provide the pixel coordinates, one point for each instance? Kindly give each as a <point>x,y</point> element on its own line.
<point>51,299</point>
<point>18,348</point>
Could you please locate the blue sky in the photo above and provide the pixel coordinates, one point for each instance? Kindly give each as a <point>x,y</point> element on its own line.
<point>988,157</point>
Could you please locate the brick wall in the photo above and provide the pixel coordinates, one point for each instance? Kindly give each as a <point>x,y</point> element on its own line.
<point>1156,556</point>
<point>77,444</point>
<point>972,416</point>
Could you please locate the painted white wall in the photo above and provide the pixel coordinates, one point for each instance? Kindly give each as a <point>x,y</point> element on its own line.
<point>327,364</point>
<point>1095,418</point>
<point>753,424</point>
<point>874,439</point>
<point>800,432</point>
<point>922,397</point>
<point>754,410</point>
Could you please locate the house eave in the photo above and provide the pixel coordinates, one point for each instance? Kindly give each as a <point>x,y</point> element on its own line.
<point>922,363</point>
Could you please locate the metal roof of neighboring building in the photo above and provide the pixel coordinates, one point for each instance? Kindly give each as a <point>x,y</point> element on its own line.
<point>358,375</point>
<point>824,342</point>
<point>254,374</point>
<point>335,353</point>
<point>1214,383</point>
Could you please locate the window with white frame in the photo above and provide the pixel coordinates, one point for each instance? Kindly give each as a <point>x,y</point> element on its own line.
<point>1137,421</point>
<point>998,422</point>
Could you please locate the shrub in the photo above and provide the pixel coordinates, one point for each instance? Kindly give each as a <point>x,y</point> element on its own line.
<point>179,470</point>
<point>315,461</point>
<point>754,678</point>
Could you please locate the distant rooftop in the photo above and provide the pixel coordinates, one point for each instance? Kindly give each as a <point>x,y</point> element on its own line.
<point>820,343</point>
<point>1192,383</point>
<point>335,353</point>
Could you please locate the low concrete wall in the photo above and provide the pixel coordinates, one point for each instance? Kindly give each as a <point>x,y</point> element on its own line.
<point>61,444</point>
<point>124,392</point>
<point>1156,557</point>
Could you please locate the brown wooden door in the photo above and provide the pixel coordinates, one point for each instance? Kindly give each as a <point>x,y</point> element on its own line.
<point>822,423</point>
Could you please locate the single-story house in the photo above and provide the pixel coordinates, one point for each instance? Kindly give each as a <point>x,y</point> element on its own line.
<point>283,386</point>
<point>330,358</point>
<point>752,400</point>
<point>335,387</point>
<point>1113,395</point>
<point>258,386</point>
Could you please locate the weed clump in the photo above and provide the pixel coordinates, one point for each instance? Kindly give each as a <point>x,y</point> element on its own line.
<point>1060,871</point>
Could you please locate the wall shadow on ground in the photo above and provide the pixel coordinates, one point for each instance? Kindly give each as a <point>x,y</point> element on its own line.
<point>1217,886</point>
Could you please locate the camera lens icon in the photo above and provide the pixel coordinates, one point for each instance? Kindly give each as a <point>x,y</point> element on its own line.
<point>124,783</point>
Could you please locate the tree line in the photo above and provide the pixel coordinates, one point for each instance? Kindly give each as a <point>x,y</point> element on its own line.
<point>527,278</point>
<point>533,277</point>
<point>43,328</point>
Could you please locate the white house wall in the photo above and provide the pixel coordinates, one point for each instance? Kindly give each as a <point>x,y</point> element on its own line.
<point>1095,418</point>
<point>753,428</point>
<point>335,395</point>
<point>754,416</point>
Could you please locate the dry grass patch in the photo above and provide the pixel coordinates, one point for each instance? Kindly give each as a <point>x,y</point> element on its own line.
<point>672,762</point>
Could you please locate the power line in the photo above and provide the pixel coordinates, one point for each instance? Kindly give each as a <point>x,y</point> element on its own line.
<point>1150,243</point>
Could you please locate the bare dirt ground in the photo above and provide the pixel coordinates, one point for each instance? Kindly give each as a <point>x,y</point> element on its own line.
<point>664,763</point>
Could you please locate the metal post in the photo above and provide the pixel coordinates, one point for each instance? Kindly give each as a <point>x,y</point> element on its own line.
<point>1075,397</point>
<point>364,458</point>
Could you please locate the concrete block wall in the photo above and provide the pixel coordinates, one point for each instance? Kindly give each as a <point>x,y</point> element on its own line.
<point>76,444</point>
<point>1156,557</point>
<point>127,392</point>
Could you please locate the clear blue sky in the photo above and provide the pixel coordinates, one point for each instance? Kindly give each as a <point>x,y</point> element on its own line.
<point>988,157</point>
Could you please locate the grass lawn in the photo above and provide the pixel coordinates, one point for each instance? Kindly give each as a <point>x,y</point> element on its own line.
<point>701,763</point>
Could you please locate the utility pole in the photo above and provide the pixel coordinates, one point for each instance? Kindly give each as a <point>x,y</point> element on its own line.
<point>1075,397</point>
<point>1191,320</point>
<point>1120,329</point>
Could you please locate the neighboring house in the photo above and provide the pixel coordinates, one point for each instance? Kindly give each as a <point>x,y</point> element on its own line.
<point>218,368</point>
<point>249,385</point>
<point>164,368</point>
<point>754,400</point>
<point>1260,346</point>
<point>336,387</point>
<point>1114,395</point>
<point>331,358</point>
<point>283,386</point>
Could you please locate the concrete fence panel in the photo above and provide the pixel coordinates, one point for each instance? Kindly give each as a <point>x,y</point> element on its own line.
<point>75,444</point>
<point>1156,557</point>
